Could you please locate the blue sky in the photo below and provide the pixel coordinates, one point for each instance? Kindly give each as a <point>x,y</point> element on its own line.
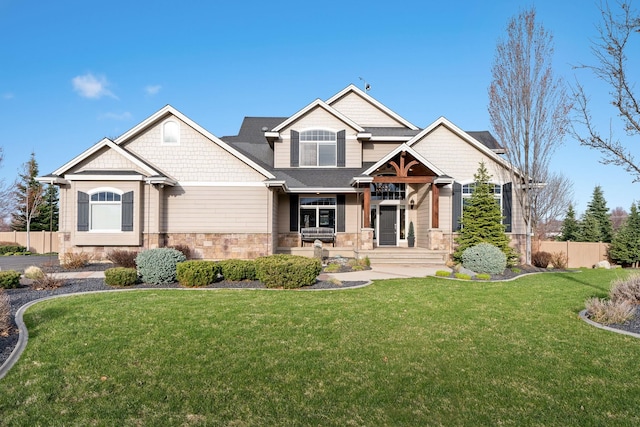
<point>73,72</point>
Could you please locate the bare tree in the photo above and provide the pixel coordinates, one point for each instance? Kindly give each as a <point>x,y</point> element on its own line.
<point>28,198</point>
<point>610,50</point>
<point>529,108</point>
<point>618,216</point>
<point>549,203</point>
<point>6,201</point>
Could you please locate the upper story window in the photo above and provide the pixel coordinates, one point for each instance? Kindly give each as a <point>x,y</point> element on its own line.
<point>467,190</point>
<point>318,148</point>
<point>105,211</point>
<point>170,132</point>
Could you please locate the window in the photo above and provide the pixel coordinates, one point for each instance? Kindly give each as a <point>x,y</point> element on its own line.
<point>317,212</point>
<point>467,190</point>
<point>388,191</point>
<point>105,210</point>
<point>170,132</point>
<point>318,148</point>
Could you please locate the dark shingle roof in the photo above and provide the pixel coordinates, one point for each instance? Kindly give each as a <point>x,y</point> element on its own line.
<point>485,137</point>
<point>392,131</point>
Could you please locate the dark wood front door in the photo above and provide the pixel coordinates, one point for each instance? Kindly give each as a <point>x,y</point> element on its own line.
<point>387,224</point>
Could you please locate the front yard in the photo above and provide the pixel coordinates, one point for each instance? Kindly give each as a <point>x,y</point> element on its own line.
<point>399,352</point>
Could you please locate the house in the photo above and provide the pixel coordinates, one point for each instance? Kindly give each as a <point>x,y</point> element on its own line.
<point>349,164</point>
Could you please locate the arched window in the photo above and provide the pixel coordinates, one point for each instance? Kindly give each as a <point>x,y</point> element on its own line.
<point>170,132</point>
<point>318,148</point>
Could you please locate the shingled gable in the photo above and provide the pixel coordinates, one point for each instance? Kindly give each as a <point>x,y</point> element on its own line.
<point>400,149</point>
<point>168,110</point>
<point>318,103</point>
<point>352,89</point>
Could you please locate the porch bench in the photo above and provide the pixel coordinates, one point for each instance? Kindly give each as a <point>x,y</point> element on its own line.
<point>324,234</point>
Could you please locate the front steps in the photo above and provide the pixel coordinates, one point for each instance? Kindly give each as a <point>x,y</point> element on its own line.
<point>404,256</point>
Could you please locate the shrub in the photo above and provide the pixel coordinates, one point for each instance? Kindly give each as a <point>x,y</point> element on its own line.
<point>5,314</point>
<point>443,273</point>
<point>74,261</point>
<point>236,270</point>
<point>9,279</point>
<point>332,268</point>
<point>541,259</point>
<point>608,312</point>
<point>197,272</point>
<point>120,276</point>
<point>11,248</point>
<point>626,290</point>
<point>47,282</point>
<point>483,276</point>
<point>462,276</point>
<point>33,272</point>
<point>559,260</point>
<point>287,271</point>
<point>484,258</point>
<point>186,250</point>
<point>122,258</point>
<point>158,266</point>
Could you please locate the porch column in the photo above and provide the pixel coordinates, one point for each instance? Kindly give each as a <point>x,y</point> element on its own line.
<point>435,206</point>
<point>367,207</point>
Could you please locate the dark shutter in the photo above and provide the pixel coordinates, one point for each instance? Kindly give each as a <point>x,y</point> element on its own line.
<point>295,149</point>
<point>341,148</point>
<point>340,213</point>
<point>457,205</point>
<point>293,212</point>
<point>507,203</point>
<point>127,211</point>
<point>83,211</point>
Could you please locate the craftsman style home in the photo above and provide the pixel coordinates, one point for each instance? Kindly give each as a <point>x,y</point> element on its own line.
<point>348,170</point>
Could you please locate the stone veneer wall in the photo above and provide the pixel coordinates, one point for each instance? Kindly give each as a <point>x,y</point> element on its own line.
<point>217,246</point>
<point>292,240</point>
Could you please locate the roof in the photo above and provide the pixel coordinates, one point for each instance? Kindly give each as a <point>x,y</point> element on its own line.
<point>485,137</point>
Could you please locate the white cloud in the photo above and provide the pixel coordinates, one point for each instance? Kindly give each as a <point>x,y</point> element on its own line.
<point>152,89</point>
<point>90,86</point>
<point>117,116</point>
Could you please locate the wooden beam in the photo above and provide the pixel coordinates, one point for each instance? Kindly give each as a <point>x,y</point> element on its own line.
<point>408,179</point>
<point>435,206</point>
<point>367,207</point>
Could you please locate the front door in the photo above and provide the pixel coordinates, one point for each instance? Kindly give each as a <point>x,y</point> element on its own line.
<point>387,224</point>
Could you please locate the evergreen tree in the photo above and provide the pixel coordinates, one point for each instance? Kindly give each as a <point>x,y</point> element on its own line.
<point>590,230</point>
<point>625,245</point>
<point>49,211</point>
<point>570,227</point>
<point>481,219</point>
<point>597,208</point>
<point>28,196</point>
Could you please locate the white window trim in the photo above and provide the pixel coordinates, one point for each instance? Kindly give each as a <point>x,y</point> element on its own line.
<point>464,195</point>
<point>317,144</point>
<point>162,132</point>
<point>92,203</point>
<point>317,208</point>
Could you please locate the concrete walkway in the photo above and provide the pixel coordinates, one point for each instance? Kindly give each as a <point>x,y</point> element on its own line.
<point>389,271</point>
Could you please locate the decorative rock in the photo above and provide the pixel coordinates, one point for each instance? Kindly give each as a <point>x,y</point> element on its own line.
<point>317,249</point>
<point>466,271</point>
<point>603,264</point>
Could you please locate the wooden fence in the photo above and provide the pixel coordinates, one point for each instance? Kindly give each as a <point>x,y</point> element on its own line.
<point>42,242</point>
<point>579,254</point>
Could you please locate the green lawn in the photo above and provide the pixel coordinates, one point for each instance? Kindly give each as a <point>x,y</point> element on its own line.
<point>399,352</point>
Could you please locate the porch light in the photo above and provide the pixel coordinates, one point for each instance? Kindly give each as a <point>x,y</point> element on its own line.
<point>412,203</point>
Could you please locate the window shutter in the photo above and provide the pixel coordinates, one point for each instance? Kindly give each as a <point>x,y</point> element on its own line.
<point>457,205</point>
<point>293,212</point>
<point>341,148</point>
<point>295,149</point>
<point>507,203</point>
<point>83,211</point>
<point>127,211</point>
<point>340,213</point>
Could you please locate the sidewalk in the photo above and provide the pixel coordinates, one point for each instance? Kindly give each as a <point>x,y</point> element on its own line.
<point>388,271</point>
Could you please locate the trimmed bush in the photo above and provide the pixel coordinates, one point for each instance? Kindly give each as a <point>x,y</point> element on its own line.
<point>443,273</point>
<point>483,276</point>
<point>158,266</point>
<point>287,271</point>
<point>626,290</point>
<point>120,276</point>
<point>11,248</point>
<point>484,258</point>
<point>462,276</point>
<point>9,279</point>
<point>33,272</point>
<point>122,258</point>
<point>541,259</point>
<point>236,270</point>
<point>197,272</point>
